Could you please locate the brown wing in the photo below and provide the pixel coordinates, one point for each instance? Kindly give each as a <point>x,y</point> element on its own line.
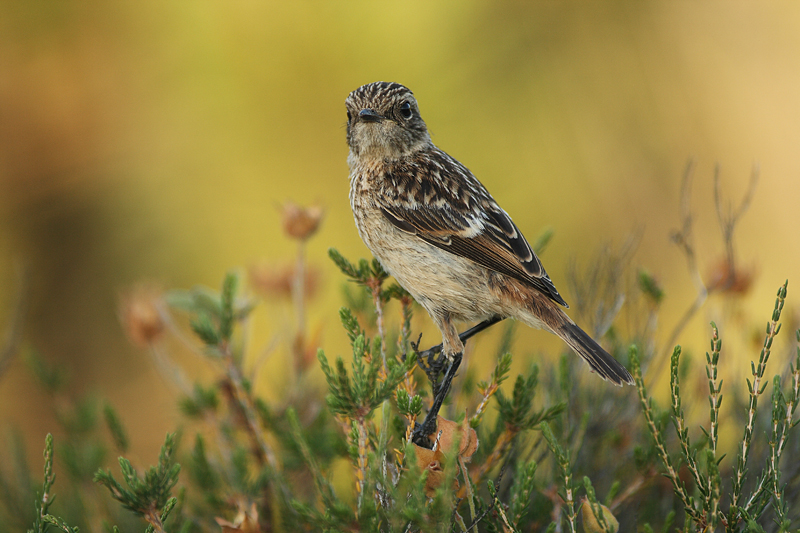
<point>443,204</point>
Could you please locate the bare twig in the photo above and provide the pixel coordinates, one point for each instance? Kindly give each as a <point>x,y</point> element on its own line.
<point>265,452</point>
<point>601,289</point>
<point>361,470</point>
<point>728,219</point>
<point>170,371</point>
<point>298,289</point>
<point>634,487</point>
<point>683,239</point>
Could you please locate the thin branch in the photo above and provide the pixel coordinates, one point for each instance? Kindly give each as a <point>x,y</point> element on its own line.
<point>755,389</point>
<point>715,401</point>
<point>647,408</point>
<point>265,452</point>
<point>729,218</point>
<point>684,240</point>
<point>680,424</point>
<point>632,488</point>
<point>171,372</point>
<point>374,286</point>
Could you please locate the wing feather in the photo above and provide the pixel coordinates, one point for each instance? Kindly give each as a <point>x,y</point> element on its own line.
<point>461,217</point>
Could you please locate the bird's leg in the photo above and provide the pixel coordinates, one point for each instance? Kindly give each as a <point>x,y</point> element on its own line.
<point>428,426</point>
<point>432,366</point>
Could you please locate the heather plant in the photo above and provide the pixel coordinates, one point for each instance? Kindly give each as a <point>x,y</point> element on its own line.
<point>525,447</point>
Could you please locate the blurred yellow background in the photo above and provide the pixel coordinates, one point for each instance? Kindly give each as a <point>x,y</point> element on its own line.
<point>154,141</point>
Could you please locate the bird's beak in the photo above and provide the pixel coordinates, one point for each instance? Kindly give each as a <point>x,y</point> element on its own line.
<point>368,115</point>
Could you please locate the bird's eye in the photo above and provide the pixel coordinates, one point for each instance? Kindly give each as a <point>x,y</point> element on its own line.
<point>405,110</point>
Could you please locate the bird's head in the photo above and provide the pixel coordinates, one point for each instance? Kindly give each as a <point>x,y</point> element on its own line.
<point>383,121</point>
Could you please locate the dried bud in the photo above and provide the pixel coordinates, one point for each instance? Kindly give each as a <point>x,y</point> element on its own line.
<point>735,281</point>
<point>590,523</point>
<point>431,462</point>
<point>140,313</point>
<point>450,435</point>
<point>465,436</point>
<point>301,222</point>
<point>277,281</point>
<point>246,521</point>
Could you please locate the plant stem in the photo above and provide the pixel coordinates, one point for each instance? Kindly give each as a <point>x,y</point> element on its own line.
<point>756,389</point>
<point>647,409</point>
<point>264,450</point>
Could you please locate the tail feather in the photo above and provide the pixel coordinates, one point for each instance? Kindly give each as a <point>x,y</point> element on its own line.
<point>600,360</point>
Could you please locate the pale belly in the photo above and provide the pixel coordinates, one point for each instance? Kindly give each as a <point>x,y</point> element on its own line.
<point>443,283</point>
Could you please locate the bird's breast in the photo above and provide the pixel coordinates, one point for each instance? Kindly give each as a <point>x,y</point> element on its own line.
<point>439,280</point>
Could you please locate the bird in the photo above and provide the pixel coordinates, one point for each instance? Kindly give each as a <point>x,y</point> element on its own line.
<point>439,232</point>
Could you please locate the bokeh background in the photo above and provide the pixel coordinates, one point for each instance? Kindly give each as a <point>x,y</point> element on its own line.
<point>155,141</point>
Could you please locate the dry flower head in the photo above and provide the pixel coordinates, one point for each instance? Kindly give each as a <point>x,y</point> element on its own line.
<point>432,462</point>
<point>300,222</point>
<point>450,435</point>
<point>731,280</point>
<point>140,313</point>
<point>453,432</point>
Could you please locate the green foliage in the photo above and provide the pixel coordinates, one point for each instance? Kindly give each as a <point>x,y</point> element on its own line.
<point>358,396</point>
<point>369,274</point>
<point>272,465</point>
<point>203,400</point>
<point>115,427</point>
<point>51,378</point>
<point>562,460</point>
<point>521,491</point>
<point>517,411</point>
<point>408,406</point>
<point>650,287</point>
<point>703,508</point>
<point>214,313</point>
<point>361,273</point>
<point>542,241</point>
<point>45,499</point>
<point>602,521</point>
<point>149,496</point>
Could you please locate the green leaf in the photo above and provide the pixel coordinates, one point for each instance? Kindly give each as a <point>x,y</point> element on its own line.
<point>116,428</point>
<point>204,328</point>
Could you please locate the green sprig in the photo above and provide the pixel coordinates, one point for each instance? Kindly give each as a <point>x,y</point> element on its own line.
<point>147,496</point>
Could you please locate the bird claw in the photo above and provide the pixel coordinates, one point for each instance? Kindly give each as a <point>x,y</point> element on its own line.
<point>428,426</point>
<point>428,361</point>
<point>433,366</point>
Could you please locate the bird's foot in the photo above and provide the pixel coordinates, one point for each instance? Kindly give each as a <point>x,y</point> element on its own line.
<point>433,365</point>
<point>428,426</point>
<point>429,362</point>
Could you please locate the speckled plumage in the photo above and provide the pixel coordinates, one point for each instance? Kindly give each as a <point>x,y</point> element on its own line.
<point>440,233</point>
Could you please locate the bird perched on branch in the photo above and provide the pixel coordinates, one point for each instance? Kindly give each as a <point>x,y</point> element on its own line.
<point>439,232</point>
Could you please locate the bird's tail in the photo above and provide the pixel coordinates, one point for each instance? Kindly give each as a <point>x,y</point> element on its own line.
<point>599,359</point>
<point>539,311</point>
